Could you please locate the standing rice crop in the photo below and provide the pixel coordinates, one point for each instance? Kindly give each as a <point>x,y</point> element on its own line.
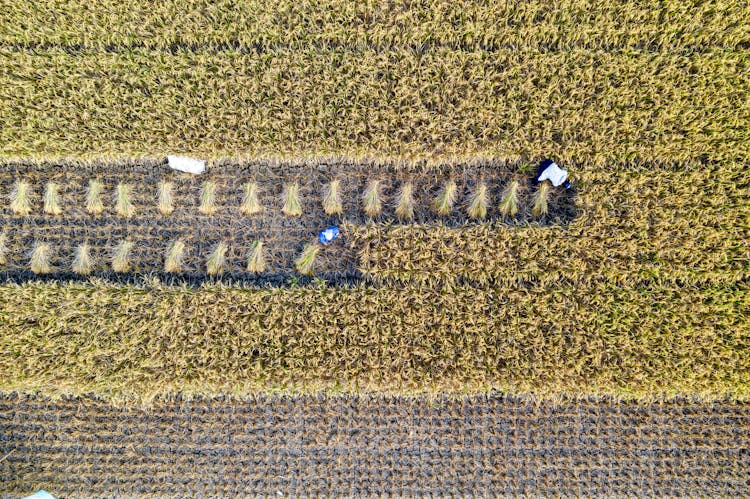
<point>446,198</point>
<point>20,198</point>
<point>166,198</point>
<point>305,264</point>
<point>540,208</point>
<point>332,198</point>
<point>371,199</point>
<point>478,202</point>
<point>509,200</point>
<point>405,202</point>
<point>121,256</point>
<point>292,205</point>
<point>51,200</point>
<point>256,261</point>
<point>41,255</point>
<point>94,204</point>
<point>250,202</point>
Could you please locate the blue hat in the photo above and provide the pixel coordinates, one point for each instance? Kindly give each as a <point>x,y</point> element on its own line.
<point>325,236</point>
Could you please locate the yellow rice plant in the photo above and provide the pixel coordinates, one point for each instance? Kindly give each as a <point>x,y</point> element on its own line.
<point>332,199</point>
<point>509,200</point>
<point>52,200</point>
<point>540,208</point>
<point>371,199</point>
<point>174,258</point>
<point>83,263</point>
<point>40,258</point>
<point>478,202</point>
<point>292,205</point>
<point>217,260</point>
<point>165,201</point>
<point>305,264</point>
<point>405,202</point>
<point>446,198</point>
<point>121,256</point>
<point>256,261</point>
<point>123,202</point>
<point>20,198</point>
<point>94,204</point>
<point>250,202</point>
<point>207,204</point>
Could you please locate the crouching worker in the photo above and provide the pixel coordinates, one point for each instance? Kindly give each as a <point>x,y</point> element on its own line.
<point>548,170</point>
<point>328,235</point>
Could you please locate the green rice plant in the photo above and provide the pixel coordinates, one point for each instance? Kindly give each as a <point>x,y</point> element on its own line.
<point>166,198</point>
<point>292,205</point>
<point>478,202</point>
<point>405,202</point>
<point>208,198</point>
<point>371,199</point>
<point>256,261</point>
<point>94,204</point>
<point>20,198</point>
<point>250,202</point>
<point>305,264</point>
<point>40,258</point>
<point>174,258</point>
<point>509,200</point>
<point>3,248</point>
<point>332,199</point>
<point>446,198</point>
<point>51,200</point>
<point>123,203</point>
<point>121,256</point>
<point>217,260</point>
<point>83,263</point>
<point>540,208</point>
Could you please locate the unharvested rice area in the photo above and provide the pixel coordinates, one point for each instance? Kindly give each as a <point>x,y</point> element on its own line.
<point>356,446</point>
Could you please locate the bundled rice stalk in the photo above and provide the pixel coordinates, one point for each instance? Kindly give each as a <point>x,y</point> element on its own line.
<point>217,259</point>
<point>3,248</point>
<point>94,203</point>
<point>208,198</point>
<point>40,258</point>
<point>166,199</point>
<point>20,198</point>
<point>292,206</point>
<point>82,263</point>
<point>306,262</point>
<point>509,200</point>
<point>121,257</point>
<point>405,202</point>
<point>371,199</point>
<point>478,202</point>
<point>332,199</point>
<point>250,203</point>
<point>443,203</point>
<point>123,204</point>
<point>256,261</point>
<point>175,255</point>
<point>540,208</point>
<point>51,200</point>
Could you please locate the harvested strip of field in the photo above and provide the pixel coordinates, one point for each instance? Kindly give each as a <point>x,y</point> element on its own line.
<point>256,25</point>
<point>548,339</point>
<point>581,104</point>
<point>374,446</point>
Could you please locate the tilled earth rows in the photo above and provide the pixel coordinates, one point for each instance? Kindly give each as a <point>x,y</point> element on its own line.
<point>283,236</point>
<point>365,446</point>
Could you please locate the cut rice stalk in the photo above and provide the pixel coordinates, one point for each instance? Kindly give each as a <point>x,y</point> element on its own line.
<point>509,201</point>
<point>250,203</point>
<point>371,199</point>
<point>83,263</point>
<point>478,202</point>
<point>208,198</point>
<point>217,259</point>
<point>292,206</point>
<point>3,248</point>
<point>540,208</point>
<point>123,203</point>
<point>256,261</point>
<point>174,257</point>
<point>51,200</point>
<point>445,200</point>
<point>332,199</point>
<point>305,264</point>
<point>20,198</point>
<point>94,204</point>
<point>121,257</point>
<point>405,202</point>
<point>166,198</point>
<point>40,258</point>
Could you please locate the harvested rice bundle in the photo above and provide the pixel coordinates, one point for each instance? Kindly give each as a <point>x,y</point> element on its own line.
<point>305,264</point>
<point>405,202</point>
<point>217,259</point>
<point>509,200</point>
<point>174,257</point>
<point>52,200</point>
<point>540,207</point>
<point>3,248</point>
<point>83,263</point>
<point>371,199</point>
<point>123,203</point>
<point>256,261</point>
<point>332,199</point>
<point>166,198</point>
<point>40,258</point>
<point>208,198</point>
<point>121,256</point>
<point>446,198</point>
<point>250,203</point>
<point>20,198</point>
<point>94,204</point>
<point>292,205</point>
<point>478,202</point>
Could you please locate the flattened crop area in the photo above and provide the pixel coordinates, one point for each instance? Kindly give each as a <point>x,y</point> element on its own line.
<point>368,446</point>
